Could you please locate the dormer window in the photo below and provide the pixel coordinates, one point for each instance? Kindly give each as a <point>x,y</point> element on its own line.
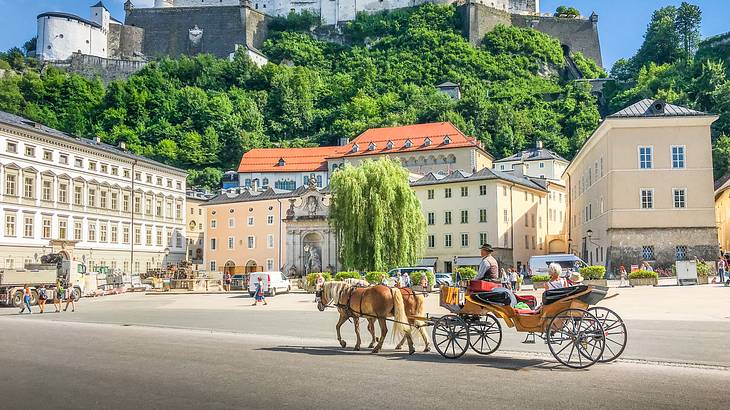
<point>447,140</point>
<point>371,146</point>
<point>281,162</point>
<point>355,148</point>
<point>389,145</point>
<point>427,142</point>
<point>408,143</point>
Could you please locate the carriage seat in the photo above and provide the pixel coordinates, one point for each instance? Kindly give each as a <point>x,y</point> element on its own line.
<point>554,295</point>
<point>499,297</point>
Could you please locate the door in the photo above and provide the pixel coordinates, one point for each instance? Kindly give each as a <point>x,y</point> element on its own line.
<point>447,267</point>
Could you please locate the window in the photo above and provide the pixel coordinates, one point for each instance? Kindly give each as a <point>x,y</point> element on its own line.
<point>158,207</point>
<point>104,168</point>
<point>126,173</point>
<point>137,176</point>
<point>447,217</point>
<point>148,178</point>
<point>159,181</point>
<point>148,206</point>
<point>431,217</point>
<point>647,198</point>
<point>465,191</point>
<point>114,236</point>
<point>102,199</point>
<point>213,223</point>
<point>464,240</point>
<point>92,197</point>
<point>231,223</point>
<point>78,162</point>
<point>482,190</point>
<point>115,201</point>
<point>125,234</point>
<point>125,203</point>
<point>542,165</point>
<point>115,171</point>
<point>92,165</point>
<point>213,244</point>
<point>178,185</point>
<point>464,216</point>
<point>680,197</point>
<point>447,240</point>
<point>28,227</point>
<point>63,159</point>
<point>430,193</point>
<point>269,219</point>
<point>251,242</point>
<point>527,220</point>
<point>647,253</point>
<point>28,187</point>
<point>46,190</point>
<point>178,210</point>
<point>62,228</point>
<point>249,221</point>
<point>77,231</point>
<point>645,157</point>
<point>103,232</point>
<point>270,241</point>
<point>231,242</point>
<point>482,238</point>
<point>431,241</point>
<point>29,151</point>
<point>63,192</point>
<point>677,156</point>
<point>527,242</point>
<point>482,215</point>
<point>47,155</point>
<point>137,235</point>
<point>92,231</point>
<point>158,237</point>
<point>447,193</point>
<point>12,147</point>
<point>9,225</point>
<point>506,216</point>
<point>269,264</point>
<point>212,266</point>
<point>680,252</point>
<point>78,194</point>
<point>10,185</point>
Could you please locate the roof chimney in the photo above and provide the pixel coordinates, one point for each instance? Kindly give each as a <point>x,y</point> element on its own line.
<point>538,144</point>
<point>344,141</point>
<point>519,169</point>
<point>97,139</point>
<point>122,145</point>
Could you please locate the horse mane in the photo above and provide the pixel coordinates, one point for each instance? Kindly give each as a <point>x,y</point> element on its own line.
<point>359,283</point>
<point>334,289</point>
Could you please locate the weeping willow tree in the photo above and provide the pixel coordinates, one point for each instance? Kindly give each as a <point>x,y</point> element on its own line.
<point>377,216</point>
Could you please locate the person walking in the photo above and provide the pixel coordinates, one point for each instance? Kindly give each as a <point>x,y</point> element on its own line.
<point>58,297</point>
<point>504,279</point>
<point>721,268</point>
<point>520,280</point>
<point>623,276</point>
<point>70,299</point>
<point>513,278</point>
<point>259,293</point>
<point>227,281</point>
<point>26,300</point>
<point>42,297</point>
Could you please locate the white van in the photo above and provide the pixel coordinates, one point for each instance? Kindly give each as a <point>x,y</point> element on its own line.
<point>538,265</point>
<point>273,283</point>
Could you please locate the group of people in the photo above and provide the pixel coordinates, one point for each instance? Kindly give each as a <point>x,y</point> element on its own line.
<point>60,294</point>
<point>511,279</point>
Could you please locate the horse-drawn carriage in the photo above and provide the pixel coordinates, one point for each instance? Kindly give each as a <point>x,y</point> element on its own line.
<point>577,334</point>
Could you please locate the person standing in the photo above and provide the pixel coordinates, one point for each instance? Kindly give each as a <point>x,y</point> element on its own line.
<point>505,279</point>
<point>405,280</point>
<point>488,267</point>
<point>520,280</point>
<point>513,278</point>
<point>318,285</point>
<point>227,281</point>
<point>42,297</point>
<point>721,267</point>
<point>26,300</point>
<point>623,276</point>
<point>58,296</point>
<point>259,293</point>
<point>70,298</point>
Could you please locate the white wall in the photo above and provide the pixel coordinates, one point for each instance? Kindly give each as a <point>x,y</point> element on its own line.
<point>198,3</point>
<point>59,37</point>
<point>297,177</point>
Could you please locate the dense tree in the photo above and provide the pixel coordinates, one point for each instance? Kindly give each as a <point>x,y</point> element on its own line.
<point>689,17</point>
<point>565,11</point>
<point>377,216</point>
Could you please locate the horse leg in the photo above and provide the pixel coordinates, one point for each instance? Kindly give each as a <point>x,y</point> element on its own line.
<point>400,344</point>
<point>356,322</point>
<point>383,331</point>
<point>342,320</point>
<point>371,329</point>
<point>424,336</point>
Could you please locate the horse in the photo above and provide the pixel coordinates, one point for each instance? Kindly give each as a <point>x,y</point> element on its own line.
<point>415,304</point>
<point>374,303</point>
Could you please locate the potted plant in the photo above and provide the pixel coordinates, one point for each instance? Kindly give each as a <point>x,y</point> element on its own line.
<point>312,279</point>
<point>594,275</point>
<point>463,275</point>
<point>703,273</point>
<point>538,281</point>
<point>643,278</point>
<point>375,277</point>
<point>416,280</point>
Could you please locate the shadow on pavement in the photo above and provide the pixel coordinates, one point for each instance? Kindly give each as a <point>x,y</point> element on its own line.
<point>495,362</point>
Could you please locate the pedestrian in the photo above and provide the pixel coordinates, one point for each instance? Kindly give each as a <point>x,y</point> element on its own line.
<point>42,297</point>
<point>423,283</point>
<point>318,284</point>
<point>405,280</point>
<point>513,278</point>
<point>26,300</point>
<point>70,298</point>
<point>721,266</point>
<point>227,280</point>
<point>58,297</point>
<point>520,280</point>
<point>504,279</point>
<point>259,293</point>
<point>623,276</point>
<point>647,267</point>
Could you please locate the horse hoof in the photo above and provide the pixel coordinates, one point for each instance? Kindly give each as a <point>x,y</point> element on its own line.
<point>374,351</point>
<point>427,349</point>
<point>357,348</point>
<point>370,346</point>
<point>343,343</point>
<point>399,347</point>
<point>411,351</point>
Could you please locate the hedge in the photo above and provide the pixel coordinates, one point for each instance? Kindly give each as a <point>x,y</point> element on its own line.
<point>464,273</point>
<point>540,278</point>
<point>416,278</point>
<point>640,274</point>
<point>347,275</point>
<point>312,277</point>
<point>703,269</point>
<point>375,277</point>
<point>593,272</point>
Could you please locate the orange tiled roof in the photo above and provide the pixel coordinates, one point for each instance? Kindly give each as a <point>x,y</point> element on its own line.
<point>294,159</point>
<point>422,137</point>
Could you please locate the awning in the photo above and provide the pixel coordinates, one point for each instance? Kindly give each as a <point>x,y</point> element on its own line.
<point>468,260</point>
<point>428,262</point>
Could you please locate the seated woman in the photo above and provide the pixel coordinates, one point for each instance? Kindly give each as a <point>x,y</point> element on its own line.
<point>555,282</point>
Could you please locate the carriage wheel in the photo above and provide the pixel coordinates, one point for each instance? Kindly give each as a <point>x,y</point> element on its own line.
<point>614,331</point>
<point>485,336</point>
<point>451,336</point>
<point>576,338</point>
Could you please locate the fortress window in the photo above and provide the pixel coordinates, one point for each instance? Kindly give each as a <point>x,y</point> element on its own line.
<point>49,46</point>
<point>87,41</point>
<point>60,36</point>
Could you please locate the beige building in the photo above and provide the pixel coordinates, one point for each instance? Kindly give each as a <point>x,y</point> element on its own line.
<point>537,162</point>
<point>641,188</point>
<point>195,231</point>
<point>722,213</point>
<point>511,212</point>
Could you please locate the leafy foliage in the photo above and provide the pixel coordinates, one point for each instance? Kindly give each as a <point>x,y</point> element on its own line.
<point>640,274</point>
<point>375,277</point>
<point>377,216</point>
<point>312,277</point>
<point>464,273</point>
<point>347,275</point>
<point>416,277</point>
<point>593,272</point>
<point>540,278</point>
<point>565,11</point>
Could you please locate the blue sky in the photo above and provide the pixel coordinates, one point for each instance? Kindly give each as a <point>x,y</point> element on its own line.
<point>621,22</point>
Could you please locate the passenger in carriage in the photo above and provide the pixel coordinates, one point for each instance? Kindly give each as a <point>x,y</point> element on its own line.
<point>556,281</point>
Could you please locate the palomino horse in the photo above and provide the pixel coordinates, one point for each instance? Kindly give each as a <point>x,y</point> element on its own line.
<point>374,303</point>
<point>415,304</point>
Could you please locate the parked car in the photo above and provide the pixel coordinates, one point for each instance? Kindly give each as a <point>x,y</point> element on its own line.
<point>273,283</point>
<point>538,265</point>
<point>443,278</point>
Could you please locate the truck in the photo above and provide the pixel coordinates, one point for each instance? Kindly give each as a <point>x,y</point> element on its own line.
<point>52,270</point>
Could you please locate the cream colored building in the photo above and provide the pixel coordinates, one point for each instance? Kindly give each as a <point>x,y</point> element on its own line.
<point>505,209</point>
<point>537,162</point>
<point>195,231</point>
<point>641,188</point>
<point>89,201</point>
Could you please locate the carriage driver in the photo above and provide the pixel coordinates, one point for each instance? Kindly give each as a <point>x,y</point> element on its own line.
<point>488,267</point>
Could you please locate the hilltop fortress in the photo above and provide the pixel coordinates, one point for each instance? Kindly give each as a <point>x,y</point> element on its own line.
<point>219,27</point>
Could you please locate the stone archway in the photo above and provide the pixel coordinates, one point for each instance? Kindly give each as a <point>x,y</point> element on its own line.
<point>557,246</point>
<point>252,266</point>
<point>312,252</point>
<point>229,267</point>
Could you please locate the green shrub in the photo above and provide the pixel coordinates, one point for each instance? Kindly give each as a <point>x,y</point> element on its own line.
<point>416,278</point>
<point>565,11</point>
<point>375,277</point>
<point>312,277</point>
<point>593,272</point>
<point>540,278</point>
<point>347,275</point>
<point>703,269</point>
<point>464,273</point>
<point>640,274</point>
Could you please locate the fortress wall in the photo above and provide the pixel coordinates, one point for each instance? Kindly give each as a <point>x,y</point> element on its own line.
<point>257,27</point>
<point>105,68</point>
<point>124,41</point>
<point>478,20</point>
<point>578,34</point>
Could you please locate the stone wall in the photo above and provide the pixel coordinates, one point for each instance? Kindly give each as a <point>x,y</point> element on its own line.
<point>257,27</point>
<point>106,69</point>
<point>626,245</point>
<point>124,41</point>
<point>478,20</point>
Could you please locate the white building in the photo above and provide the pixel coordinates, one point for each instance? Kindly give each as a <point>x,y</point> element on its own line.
<point>285,168</point>
<point>537,162</point>
<point>73,196</point>
<point>62,34</point>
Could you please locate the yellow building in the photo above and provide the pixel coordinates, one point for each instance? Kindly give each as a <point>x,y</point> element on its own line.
<point>641,188</point>
<point>195,231</point>
<point>722,214</point>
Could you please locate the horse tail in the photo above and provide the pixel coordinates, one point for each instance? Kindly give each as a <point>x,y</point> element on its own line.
<point>401,327</point>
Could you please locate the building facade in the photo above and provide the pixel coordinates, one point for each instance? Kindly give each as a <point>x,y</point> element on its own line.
<point>196,224</point>
<point>641,188</point>
<point>537,162</point>
<point>90,201</point>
